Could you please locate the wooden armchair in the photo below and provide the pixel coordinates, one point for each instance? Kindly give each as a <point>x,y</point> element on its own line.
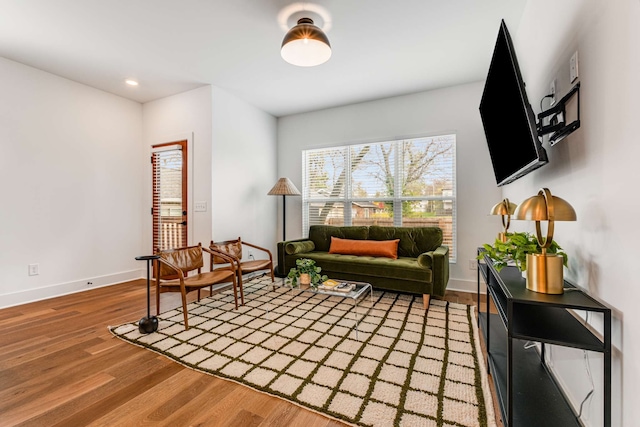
<point>233,248</point>
<point>173,268</point>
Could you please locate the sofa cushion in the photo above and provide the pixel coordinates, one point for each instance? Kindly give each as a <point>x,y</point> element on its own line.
<point>299,247</point>
<point>375,248</point>
<point>413,240</point>
<point>321,235</point>
<point>367,266</point>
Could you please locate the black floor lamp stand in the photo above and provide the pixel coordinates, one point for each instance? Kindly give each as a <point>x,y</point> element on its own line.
<point>284,187</point>
<point>148,324</point>
<point>284,218</point>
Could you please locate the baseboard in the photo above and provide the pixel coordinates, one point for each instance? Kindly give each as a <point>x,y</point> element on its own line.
<point>462,285</point>
<point>57,290</point>
<point>52,291</point>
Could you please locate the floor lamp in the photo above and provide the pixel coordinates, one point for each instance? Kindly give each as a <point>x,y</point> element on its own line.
<point>284,187</point>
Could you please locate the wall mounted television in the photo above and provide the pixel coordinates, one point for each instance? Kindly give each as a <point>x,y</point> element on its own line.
<point>509,122</point>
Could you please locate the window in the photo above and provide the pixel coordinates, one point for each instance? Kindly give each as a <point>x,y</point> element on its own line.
<point>406,183</point>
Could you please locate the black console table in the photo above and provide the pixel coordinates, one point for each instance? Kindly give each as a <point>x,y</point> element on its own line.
<point>526,389</point>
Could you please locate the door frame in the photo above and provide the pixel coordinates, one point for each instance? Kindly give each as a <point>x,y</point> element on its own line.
<point>171,140</point>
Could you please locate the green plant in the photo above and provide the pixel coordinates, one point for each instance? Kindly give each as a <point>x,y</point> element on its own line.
<point>306,266</point>
<point>516,248</point>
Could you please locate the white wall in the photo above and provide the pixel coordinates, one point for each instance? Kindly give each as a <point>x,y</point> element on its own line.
<point>178,117</point>
<point>594,170</point>
<point>233,163</point>
<point>244,170</point>
<point>70,183</point>
<point>448,110</point>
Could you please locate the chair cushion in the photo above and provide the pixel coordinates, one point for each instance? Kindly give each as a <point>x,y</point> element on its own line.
<point>233,248</point>
<point>186,259</point>
<point>376,248</point>
<point>250,266</point>
<point>201,280</point>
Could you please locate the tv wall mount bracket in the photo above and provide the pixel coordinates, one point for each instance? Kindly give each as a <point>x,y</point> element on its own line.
<point>558,129</point>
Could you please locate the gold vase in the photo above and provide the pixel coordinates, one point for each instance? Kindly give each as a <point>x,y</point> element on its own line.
<point>544,273</point>
<point>305,281</point>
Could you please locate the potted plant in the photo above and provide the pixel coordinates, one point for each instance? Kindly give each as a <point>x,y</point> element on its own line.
<point>515,250</point>
<point>307,273</point>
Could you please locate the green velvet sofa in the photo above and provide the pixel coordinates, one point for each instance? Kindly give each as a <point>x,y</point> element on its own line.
<point>422,266</point>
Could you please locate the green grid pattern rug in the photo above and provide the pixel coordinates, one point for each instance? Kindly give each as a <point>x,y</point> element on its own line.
<point>403,370</point>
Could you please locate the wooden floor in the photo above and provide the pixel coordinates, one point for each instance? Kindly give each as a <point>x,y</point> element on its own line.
<point>60,366</point>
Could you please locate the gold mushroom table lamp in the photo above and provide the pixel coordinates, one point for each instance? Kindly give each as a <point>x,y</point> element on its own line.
<point>544,271</point>
<point>505,209</point>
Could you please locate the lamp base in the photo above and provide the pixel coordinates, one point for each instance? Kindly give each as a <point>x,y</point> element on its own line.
<point>544,274</point>
<point>502,236</point>
<point>146,325</point>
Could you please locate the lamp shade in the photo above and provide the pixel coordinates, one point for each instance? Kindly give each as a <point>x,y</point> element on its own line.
<point>505,209</point>
<point>544,271</point>
<point>305,45</point>
<point>284,187</point>
<point>545,207</point>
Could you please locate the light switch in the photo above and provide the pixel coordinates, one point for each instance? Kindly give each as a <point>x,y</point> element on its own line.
<point>200,207</point>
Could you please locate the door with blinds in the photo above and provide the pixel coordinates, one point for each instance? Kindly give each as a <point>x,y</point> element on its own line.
<point>169,209</point>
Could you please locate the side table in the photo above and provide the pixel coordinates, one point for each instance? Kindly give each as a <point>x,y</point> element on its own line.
<point>148,324</point>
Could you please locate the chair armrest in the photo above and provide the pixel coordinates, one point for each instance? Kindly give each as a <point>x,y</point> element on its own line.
<point>232,260</point>
<point>438,262</point>
<point>259,248</point>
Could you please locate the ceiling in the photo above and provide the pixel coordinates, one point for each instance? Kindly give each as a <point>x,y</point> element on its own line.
<point>381,48</point>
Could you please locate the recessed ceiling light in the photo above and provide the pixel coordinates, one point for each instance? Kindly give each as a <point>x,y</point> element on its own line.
<point>131,82</point>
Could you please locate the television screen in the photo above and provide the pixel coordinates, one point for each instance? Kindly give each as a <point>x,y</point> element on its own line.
<point>508,120</point>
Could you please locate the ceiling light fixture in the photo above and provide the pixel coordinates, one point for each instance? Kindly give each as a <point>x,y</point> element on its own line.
<point>305,45</point>
<point>131,82</point>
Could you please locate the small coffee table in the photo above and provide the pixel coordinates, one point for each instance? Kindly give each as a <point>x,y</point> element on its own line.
<point>357,294</point>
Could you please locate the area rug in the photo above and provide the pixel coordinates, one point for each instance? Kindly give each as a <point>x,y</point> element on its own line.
<point>402,370</point>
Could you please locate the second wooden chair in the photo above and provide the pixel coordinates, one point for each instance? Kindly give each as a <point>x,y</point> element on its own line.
<point>233,248</point>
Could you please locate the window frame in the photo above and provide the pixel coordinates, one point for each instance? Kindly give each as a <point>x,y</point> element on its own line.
<point>397,199</point>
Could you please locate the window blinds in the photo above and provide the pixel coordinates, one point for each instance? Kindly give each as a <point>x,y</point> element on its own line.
<point>169,204</point>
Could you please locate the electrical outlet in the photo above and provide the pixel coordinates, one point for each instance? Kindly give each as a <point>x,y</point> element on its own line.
<point>34,269</point>
<point>573,67</point>
<point>552,91</point>
<point>200,207</point>
<point>473,264</point>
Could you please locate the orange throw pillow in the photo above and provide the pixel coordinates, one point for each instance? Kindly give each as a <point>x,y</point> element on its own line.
<point>382,248</point>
